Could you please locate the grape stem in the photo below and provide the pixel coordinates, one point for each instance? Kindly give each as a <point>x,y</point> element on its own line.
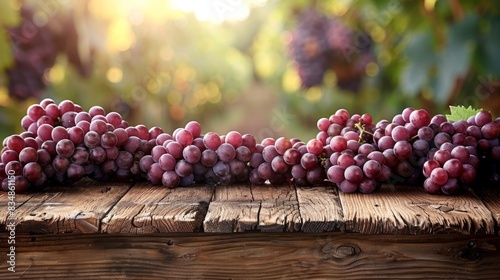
<point>362,131</point>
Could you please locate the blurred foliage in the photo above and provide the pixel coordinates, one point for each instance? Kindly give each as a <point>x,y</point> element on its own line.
<point>163,62</point>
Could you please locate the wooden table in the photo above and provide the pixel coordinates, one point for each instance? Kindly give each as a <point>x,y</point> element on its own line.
<point>119,230</point>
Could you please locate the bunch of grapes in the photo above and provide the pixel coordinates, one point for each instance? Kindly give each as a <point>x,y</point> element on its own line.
<point>62,143</point>
<point>35,49</point>
<point>320,43</point>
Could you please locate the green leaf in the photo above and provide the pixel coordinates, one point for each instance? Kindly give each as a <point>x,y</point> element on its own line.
<point>454,60</point>
<point>421,58</point>
<point>458,113</point>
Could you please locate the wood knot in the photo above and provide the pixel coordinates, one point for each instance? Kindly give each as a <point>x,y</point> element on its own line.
<point>341,250</point>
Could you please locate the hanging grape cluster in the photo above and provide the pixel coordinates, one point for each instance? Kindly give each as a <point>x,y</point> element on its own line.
<point>320,43</point>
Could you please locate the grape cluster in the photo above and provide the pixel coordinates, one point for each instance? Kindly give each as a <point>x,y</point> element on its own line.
<point>320,43</point>
<point>62,143</point>
<point>35,49</point>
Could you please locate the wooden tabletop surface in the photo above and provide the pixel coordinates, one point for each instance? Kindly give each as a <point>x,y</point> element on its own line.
<point>140,208</point>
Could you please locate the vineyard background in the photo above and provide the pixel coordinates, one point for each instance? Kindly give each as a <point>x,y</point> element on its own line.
<point>270,68</point>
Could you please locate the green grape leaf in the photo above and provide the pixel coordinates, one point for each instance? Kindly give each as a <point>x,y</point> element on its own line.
<point>461,113</point>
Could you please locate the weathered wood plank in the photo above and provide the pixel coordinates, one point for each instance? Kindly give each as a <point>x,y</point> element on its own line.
<point>254,256</point>
<point>149,209</point>
<point>69,209</point>
<point>16,201</point>
<point>243,208</point>
<point>402,210</point>
<point>320,208</point>
<point>279,208</point>
<point>233,209</point>
<point>491,198</point>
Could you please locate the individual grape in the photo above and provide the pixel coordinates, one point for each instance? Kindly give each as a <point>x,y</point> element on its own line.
<point>367,185</point>
<point>254,177</point>
<point>97,154</point>
<point>236,167</point>
<point>265,171</point>
<point>108,140</point>
<point>170,179</point>
<point>420,118</point>
<point>309,161</point>
<point>421,147</point>
<point>345,160</point>
<point>80,156</point>
<point>335,174</point>
<point>450,187</point>
<point>212,140</point>
<point>43,157</point>
<point>279,165</point>
<point>191,154</point>
<point>482,118</point>
<point>385,142</point>
<point>353,174</point>
<point>402,150</point>
<point>429,166</point>
<point>49,146</point>
<point>441,138</point>
<point>76,134</point>
<point>431,187</point>
<point>292,156</point>
<point>234,138</point>
<point>65,148</point>
<point>400,133</point>
<point>316,175</point>
<point>75,172</point>
<point>425,133</point>
<point>221,168</point>
<point>183,168</point>
<point>490,130</point>
<point>315,147</point>
<point>60,164</point>
<point>453,167</point>
<point>92,139</point>
<point>124,160</point>
<point>439,176</point>
<point>226,152</point>
<point>68,119</point>
<point>16,143</point>
<point>338,143</point>
<point>404,169</point>
<point>157,152</point>
<point>28,154</point>
<point>146,162</point>
<point>269,153</point>
<point>347,186</point>
<point>243,153</point>
<point>360,159</point>
<point>184,137</point>
<point>112,153</point>
<point>468,174</point>
<point>372,169</point>
<point>44,132</point>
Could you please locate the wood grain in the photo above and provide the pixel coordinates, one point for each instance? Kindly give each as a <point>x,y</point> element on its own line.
<point>254,256</point>
<point>490,196</point>
<point>69,209</point>
<point>409,210</point>
<point>320,208</point>
<point>149,209</point>
<point>266,208</point>
<point>232,209</point>
<point>18,199</point>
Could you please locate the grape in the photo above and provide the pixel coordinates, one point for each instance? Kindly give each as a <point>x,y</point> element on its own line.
<point>243,153</point>
<point>76,134</point>
<point>170,179</point>
<point>254,177</point>
<point>279,165</point>
<point>490,130</point>
<point>65,148</point>
<point>348,186</point>
<point>266,171</point>
<point>335,174</point>
<point>439,176</point>
<point>482,118</point>
<point>345,160</point>
<point>97,154</point>
<point>211,140</point>
<point>315,147</point>
<point>44,157</point>
<point>468,174</point>
<point>450,187</point>
<point>191,154</point>
<point>80,156</point>
<point>75,172</point>
<point>315,175</point>
<point>221,168</point>
<point>353,174</point>
<point>372,169</point>
<point>402,150</point>
<point>309,161</point>
<point>92,139</point>
<point>338,143</point>
<point>431,187</point>
<point>112,153</point>
<point>236,167</point>
<point>420,118</point>
<point>124,160</point>
<point>108,140</point>
<point>461,153</point>
<point>226,152</point>
<point>234,138</point>
<point>27,155</point>
<point>400,133</point>
<point>146,162</point>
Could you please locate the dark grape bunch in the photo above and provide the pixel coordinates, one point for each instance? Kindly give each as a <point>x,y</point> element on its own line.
<point>320,43</point>
<point>62,143</point>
